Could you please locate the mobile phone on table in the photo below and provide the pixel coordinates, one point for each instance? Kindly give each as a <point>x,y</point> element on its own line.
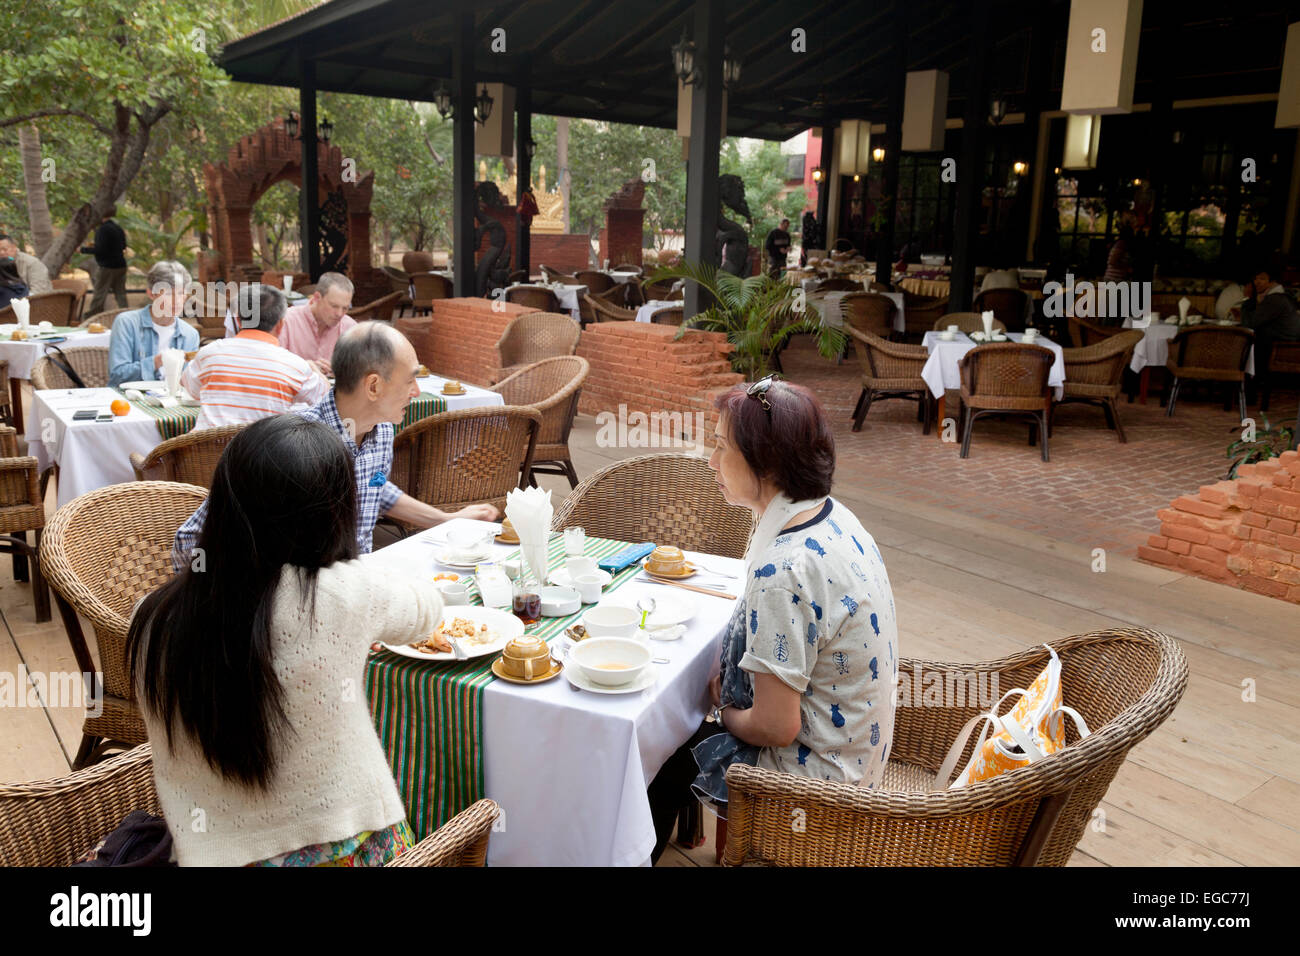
<point>104,417</point>
<point>85,415</point>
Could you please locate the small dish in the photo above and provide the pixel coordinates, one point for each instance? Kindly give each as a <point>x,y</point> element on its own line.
<point>557,667</point>
<point>502,539</point>
<point>562,577</point>
<point>463,563</point>
<point>559,602</point>
<point>687,570</point>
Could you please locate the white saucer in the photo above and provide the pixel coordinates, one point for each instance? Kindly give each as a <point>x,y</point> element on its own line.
<point>578,679</point>
<point>562,578</point>
<point>444,557</point>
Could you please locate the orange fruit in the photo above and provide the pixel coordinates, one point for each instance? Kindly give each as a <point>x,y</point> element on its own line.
<point>120,406</point>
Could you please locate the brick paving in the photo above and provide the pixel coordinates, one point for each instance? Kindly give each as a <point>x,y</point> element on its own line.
<point>1094,492</point>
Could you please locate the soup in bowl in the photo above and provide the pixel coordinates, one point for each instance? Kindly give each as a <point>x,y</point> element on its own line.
<point>610,661</point>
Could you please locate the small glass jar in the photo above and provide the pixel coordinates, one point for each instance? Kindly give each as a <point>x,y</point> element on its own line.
<point>575,541</point>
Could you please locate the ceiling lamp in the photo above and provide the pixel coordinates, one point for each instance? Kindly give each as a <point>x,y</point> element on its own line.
<point>878,154</point>
<point>998,110</point>
<point>818,174</point>
<point>291,124</point>
<point>730,70</point>
<point>1019,167</point>
<point>325,130</point>
<point>684,60</point>
<point>442,100</point>
<point>483,105</point>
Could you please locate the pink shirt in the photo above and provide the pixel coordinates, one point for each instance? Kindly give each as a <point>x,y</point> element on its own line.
<point>299,333</point>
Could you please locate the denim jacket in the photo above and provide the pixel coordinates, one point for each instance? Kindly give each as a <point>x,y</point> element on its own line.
<point>134,343</point>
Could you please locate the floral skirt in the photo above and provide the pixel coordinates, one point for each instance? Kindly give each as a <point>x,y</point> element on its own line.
<point>371,848</point>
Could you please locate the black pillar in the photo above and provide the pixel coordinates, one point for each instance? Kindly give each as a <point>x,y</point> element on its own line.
<point>523,170</point>
<point>824,187</point>
<point>462,151</point>
<point>308,198</point>
<point>970,167</point>
<point>893,146</point>
<point>706,140</point>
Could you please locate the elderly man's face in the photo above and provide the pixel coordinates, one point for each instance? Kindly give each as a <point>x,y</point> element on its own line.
<point>330,308</point>
<point>396,393</point>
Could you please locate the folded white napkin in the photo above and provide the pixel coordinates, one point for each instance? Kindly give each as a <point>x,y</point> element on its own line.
<point>173,362</point>
<point>530,511</point>
<point>23,311</point>
<point>1183,305</point>
<point>987,319</point>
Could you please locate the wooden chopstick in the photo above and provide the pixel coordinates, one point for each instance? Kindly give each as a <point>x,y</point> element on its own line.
<point>690,587</point>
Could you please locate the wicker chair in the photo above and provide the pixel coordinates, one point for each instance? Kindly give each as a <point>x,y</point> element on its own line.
<point>1209,354</point>
<point>838,285</point>
<point>1125,682</point>
<point>869,312</point>
<point>1006,378</point>
<point>22,509</point>
<point>552,386</point>
<point>101,553</point>
<point>106,318</point>
<point>595,281</point>
<point>89,361</point>
<point>669,499</point>
<point>1095,375</point>
<point>1084,333</point>
<point>380,310</point>
<point>460,458</point>
<point>595,308</point>
<point>890,370</point>
<point>966,322</point>
<point>628,267</point>
<point>668,315</point>
<point>427,287</point>
<point>555,275</point>
<point>519,275</point>
<point>920,313</point>
<point>77,287</point>
<point>416,261</point>
<point>308,290</point>
<point>534,297</point>
<point>6,400</point>
<point>54,822</point>
<point>1011,307</point>
<point>190,458</point>
<point>54,307</point>
<point>1284,360</point>
<point>533,337</point>
<point>399,282</point>
<point>874,286</point>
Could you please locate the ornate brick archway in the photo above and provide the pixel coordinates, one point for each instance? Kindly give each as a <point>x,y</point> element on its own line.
<point>255,164</point>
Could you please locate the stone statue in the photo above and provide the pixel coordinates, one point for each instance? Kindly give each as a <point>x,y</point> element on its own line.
<point>494,267</point>
<point>732,239</point>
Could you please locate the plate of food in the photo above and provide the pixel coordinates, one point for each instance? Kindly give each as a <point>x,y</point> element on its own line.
<point>479,630</point>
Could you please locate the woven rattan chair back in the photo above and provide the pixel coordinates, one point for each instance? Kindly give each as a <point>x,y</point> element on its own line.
<point>555,275</point>
<point>869,312</point>
<point>552,386</point>
<point>190,458</point>
<point>416,261</point>
<point>1009,306</point>
<point>1101,365</point>
<point>1125,682</point>
<point>668,499</point>
<point>535,336</point>
<point>54,307</point>
<point>1006,375</point>
<point>1213,349</point>
<point>78,288</point>
<point>965,321</point>
<point>106,318</point>
<point>874,286</point>
<point>1285,358</point>
<point>89,361</point>
<point>595,281</point>
<point>534,297</point>
<point>1085,333</point>
<point>429,286</point>
<point>838,285</point>
<point>597,309</point>
<point>668,315</point>
<point>886,364</point>
<point>54,822</point>
<point>921,311</point>
<point>464,457</point>
<point>380,310</point>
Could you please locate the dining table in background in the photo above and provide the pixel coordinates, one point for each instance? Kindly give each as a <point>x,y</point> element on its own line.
<point>566,293</point>
<point>941,371</point>
<point>622,277</point>
<point>643,312</point>
<point>569,769</point>
<point>833,315</point>
<point>918,285</point>
<point>93,454</point>
<point>25,353</point>
<point>1153,352</point>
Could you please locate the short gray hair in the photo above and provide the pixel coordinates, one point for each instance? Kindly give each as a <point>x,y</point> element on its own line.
<point>168,273</point>
<point>261,307</point>
<point>333,280</point>
<point>369,347</point>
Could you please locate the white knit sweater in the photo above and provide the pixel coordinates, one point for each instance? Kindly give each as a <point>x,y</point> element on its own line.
<point>332,780</point>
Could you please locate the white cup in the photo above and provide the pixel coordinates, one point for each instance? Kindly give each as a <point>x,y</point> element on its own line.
<point>954,329</point>
<point>575,540</point>
<point>1030,335</point>
<point>588,586</point>
<point>580,564</point>
<point>453,593</point>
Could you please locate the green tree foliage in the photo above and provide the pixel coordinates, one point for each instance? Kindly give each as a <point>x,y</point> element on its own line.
<point>763,171</point>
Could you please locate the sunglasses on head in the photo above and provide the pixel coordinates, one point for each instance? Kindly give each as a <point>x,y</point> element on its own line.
<point>759,391</point>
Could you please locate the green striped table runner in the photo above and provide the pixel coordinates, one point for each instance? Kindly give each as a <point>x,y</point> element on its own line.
<point>171,421</point>
<point>422,406</point>
<point>430,714</point>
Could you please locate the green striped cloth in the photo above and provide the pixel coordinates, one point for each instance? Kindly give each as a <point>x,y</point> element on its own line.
<point>429,714</point>
<point>179,420</point>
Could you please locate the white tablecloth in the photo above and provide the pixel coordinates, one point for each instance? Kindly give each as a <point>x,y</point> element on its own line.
<point>92,454</point>
<point>623,278</point>
<point>833,315</point>
<point>644,312</point>
<point>22,355</point>
<point>569,769</point>
<point>567,294</point>
<point>941,373</point>
<point>1153,350</point>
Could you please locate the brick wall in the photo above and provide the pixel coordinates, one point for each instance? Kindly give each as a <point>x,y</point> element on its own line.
<point>639,365</point>
<point>620,240</point>
<point>565,252</point>
<point>1242,532</point>
<point>460,340</point>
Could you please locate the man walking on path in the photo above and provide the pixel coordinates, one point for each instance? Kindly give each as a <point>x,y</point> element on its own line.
<point>110,263</point>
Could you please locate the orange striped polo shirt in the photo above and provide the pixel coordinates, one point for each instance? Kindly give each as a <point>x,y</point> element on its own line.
<point>247,377</point>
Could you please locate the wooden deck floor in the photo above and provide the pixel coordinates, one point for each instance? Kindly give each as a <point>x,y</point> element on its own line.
<point>1218,784</point>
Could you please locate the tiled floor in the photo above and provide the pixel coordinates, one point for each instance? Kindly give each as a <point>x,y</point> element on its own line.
<point>987,556</point>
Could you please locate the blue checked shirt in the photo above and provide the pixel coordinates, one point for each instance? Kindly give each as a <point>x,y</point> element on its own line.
<point>372,462</point>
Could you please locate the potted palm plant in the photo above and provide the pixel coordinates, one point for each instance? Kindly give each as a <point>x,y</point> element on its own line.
<point>757,313</point>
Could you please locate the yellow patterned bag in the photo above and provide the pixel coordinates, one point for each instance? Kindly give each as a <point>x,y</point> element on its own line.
<point>1030,731</point>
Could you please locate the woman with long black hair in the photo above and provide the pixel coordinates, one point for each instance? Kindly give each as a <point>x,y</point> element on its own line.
<point>249,665</point>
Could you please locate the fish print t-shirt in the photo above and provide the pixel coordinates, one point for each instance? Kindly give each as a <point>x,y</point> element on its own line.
<point>821,619</point>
